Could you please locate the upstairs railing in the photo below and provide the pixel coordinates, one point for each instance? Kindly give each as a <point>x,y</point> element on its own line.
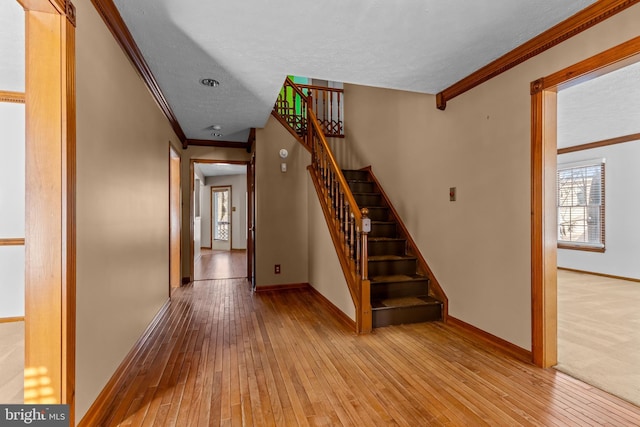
<point>326,102</point>
<point>328,106</point>
<point>348,225</point>
<point>291,110</point>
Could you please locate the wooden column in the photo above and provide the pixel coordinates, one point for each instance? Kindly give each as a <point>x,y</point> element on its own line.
<point>543,225</point>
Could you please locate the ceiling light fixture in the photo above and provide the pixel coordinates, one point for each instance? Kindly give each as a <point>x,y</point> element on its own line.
<point>216,134</point>
<point>216,127</point>
<point>210,82</point>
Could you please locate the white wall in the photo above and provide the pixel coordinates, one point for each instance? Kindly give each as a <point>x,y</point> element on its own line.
<point>602,108</point>
<point>479,247</point>
<point>12,159</point>
<point>238,185</point>
<point>12,46</point>
<point>622,205</point>
<point>12,198</point>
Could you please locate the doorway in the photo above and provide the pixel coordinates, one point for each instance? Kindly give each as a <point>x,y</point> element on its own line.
<point>544,227</point>
<point>598,140</point>
<point>220,218</point>
<point>221,209</point>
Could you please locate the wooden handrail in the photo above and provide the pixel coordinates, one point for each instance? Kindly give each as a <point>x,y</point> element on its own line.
<point>339,206</point>
<point>295,86</point>
<point>323,88</point>
<point>336,169</point>
<point>345,221</point>
<point>293,117</point>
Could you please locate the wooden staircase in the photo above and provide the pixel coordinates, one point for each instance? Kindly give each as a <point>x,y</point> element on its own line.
<point>399,289</point>
<point>388,279</point>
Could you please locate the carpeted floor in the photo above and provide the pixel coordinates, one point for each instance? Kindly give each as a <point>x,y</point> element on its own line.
<point>599,332</point>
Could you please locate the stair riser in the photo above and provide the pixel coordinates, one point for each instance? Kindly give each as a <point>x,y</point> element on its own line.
<point>383,230</point>
<point>368,200</point>
<point>401,315</point>
<point>391,267</point>
<point>385,247</point>
<point>377,214</point>
<point>356,175</point>
<point>362,187</point>
<point>399,289</point>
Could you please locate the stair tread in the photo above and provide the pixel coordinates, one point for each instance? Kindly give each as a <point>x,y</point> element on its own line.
<point>390,257</point>
<point>397,278</point>
<point>390,303</point>
<point>386,239</point>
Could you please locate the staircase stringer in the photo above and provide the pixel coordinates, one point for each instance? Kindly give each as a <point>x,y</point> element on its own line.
<point>435,290</point>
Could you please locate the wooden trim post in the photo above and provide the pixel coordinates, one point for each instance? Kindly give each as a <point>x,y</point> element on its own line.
<point>50,233</point>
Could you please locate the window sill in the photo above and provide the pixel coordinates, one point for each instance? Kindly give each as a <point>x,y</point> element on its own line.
<point>581,247</point>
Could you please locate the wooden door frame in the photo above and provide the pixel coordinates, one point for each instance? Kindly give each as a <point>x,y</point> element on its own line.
<point>543,189</point>
<point>251,214</point>
<point>174,152</point>
<point>50,219</point>
<point>192,162</point>
<point>213,188</point>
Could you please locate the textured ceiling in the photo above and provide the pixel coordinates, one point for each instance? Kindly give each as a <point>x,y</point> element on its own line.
<point>221,169</point>
<point>250,46</point>
<point>602,108</point>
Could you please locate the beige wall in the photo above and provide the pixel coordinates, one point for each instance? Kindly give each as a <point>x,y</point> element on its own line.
<point>325,272</point>
<point>122,206</point>
<point>281,208</point>
<point>479,246</point>
<point>202,153</point>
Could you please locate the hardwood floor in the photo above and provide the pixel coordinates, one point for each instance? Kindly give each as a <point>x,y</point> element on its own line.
<point>599,332</point>
<point>220,265</point>
<point>224,356</point>
<point>12,362</point>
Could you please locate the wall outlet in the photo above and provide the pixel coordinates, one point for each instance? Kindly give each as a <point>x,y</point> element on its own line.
<point>276,269</point>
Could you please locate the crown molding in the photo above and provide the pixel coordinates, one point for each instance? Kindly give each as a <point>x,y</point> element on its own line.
<point>602,143</point>
<point>117,26</point>
<point>583,20</point>
<point>212,143</point>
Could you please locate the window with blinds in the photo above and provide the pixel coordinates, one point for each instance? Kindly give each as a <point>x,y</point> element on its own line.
<point>581,206</point>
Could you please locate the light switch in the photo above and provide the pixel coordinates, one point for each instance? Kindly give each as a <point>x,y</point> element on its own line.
<point>283,167</point>
<point>452,194</point>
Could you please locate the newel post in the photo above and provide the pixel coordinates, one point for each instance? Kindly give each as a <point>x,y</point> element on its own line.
<point>365,319</point>
<point>366,228</point>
